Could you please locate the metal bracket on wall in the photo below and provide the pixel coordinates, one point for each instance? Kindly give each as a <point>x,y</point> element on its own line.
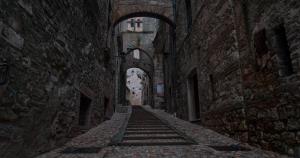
<point>4,73</point>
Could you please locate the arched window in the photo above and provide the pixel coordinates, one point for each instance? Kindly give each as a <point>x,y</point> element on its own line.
<point>136,54</point>
<point>188,15</point>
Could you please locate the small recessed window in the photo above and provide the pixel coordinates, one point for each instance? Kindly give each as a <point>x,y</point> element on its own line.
<point>260,45</point>
<point>132,23</point>
<point>283,51</point>
<point>212,87</point>
<point>136,54</point>
<point>189,18</point>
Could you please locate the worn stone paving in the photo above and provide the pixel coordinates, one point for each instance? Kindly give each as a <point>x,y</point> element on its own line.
<point>102,135</point>
<point>99,137</point>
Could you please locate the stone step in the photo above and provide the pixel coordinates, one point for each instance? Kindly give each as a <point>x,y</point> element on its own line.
<point>153,143</point>
<point>142,123</point>
<point>150,132</point>
<point>146,126</point>
<point>144,129</point>
<point>148,129</point>
<point>151,137</point>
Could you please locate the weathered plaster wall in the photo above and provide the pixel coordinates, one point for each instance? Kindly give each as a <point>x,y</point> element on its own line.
<point>54,50</point>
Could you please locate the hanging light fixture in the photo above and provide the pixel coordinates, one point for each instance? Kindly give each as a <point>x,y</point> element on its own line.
<point>3,73</point>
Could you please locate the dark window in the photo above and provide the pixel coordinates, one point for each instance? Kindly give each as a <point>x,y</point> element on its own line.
<point>106,102</point>
<point>196,95</point>
<point>106,57</point>
<point>282,51</point>
<point>132,23</point>
<point>188,14</point>
<point>212,86</point>
<point>85,104</point>
<point>260,45</point>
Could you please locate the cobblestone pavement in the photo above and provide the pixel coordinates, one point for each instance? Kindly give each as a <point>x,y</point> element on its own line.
<point>100,137</point>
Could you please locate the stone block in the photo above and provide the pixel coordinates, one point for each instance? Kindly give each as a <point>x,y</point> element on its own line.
<point>293,125</point>
<point>288,137</point>
<point>8,115</point>
<point>279,126</point>
<point>26,6</point>
<point>10,36</point>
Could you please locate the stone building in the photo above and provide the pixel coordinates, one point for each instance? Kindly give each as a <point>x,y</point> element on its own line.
<point>58,83</point>
<point>222,74</point>
<point>238,69</point>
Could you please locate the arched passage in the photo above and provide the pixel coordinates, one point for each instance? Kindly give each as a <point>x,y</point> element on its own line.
<point>138,87</point>
<point>128,38</point>
<point>144,63</point>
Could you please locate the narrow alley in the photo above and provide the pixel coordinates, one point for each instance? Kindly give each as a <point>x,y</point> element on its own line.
<point>149,79</point>
<point>182,139</point>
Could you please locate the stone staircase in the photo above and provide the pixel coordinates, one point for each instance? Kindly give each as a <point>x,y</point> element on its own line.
<point>144,129</point>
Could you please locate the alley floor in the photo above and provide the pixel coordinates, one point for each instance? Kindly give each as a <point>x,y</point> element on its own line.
<point>129,132</point>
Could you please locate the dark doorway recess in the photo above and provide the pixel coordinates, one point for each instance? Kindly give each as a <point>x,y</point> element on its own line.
<point>193,96</point>
<point>85,105</point>
<point>260,43</point>
<point>283,51</point>
<point>106,104</point>
<point>196,95</point>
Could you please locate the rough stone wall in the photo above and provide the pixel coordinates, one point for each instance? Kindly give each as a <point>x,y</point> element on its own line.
<point>242,93</point>
<point>272,99</point>
<point>212,50</point>
<point>159,90</point>
<point>55,50</point>
<point>162,51</point>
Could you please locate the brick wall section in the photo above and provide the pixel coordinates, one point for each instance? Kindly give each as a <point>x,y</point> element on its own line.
<point>54,49</point>
<point>241,92</point>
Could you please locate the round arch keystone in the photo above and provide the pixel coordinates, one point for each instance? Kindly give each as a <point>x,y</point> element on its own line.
<point>124,9</point>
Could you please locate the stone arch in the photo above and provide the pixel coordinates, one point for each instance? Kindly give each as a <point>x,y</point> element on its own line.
<point>142,51</point>
<point>138,67</point>
<point>150,82</point>
<point>161,9</point>
<point>146,65</point>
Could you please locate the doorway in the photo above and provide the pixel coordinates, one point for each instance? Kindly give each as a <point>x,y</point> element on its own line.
<point>106,105</point>
<point>84,109</point>
<point>193,96</point>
